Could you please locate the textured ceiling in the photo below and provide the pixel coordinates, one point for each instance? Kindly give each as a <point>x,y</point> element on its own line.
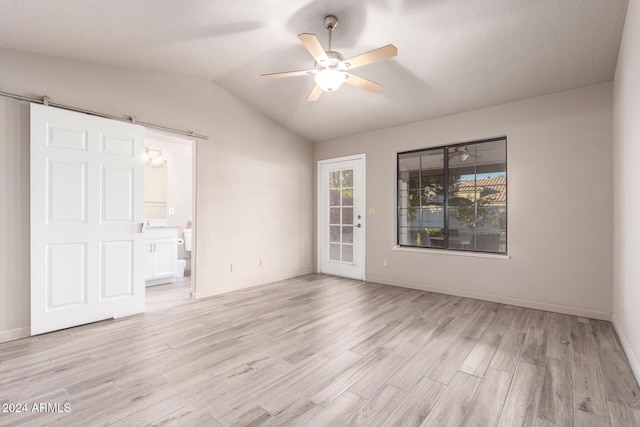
<point>453,55</point>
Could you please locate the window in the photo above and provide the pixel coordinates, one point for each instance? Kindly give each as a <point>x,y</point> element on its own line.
<point>454,197</point>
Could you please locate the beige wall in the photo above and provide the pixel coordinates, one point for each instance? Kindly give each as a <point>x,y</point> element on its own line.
<point>254,176</point>
<point>626,170</point>
<point>560,203</point>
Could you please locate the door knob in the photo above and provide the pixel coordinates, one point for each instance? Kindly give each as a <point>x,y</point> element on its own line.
<point>359,225</point>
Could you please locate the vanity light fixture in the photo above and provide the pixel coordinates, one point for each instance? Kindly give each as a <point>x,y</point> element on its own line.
<point>153,158</point>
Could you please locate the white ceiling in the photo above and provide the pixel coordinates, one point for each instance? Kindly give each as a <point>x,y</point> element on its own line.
<point>453,55</point>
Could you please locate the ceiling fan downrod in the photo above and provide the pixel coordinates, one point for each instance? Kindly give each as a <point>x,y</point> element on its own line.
<point>330,22</point>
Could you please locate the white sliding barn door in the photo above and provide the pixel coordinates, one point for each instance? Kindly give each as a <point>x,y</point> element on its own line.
<point>87,201</point>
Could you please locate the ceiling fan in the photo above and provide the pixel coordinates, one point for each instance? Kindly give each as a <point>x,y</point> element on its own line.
<point>332,70</point>
<point>462,154</point>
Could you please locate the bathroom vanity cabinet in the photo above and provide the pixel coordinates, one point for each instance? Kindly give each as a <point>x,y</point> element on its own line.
<point>162,252</point>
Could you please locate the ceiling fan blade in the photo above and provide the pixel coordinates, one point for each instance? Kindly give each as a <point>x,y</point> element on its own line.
<point>361,83</point>
<point>315,94</point>
<point>384,52</point>
<point>288,74</point>
<point>314,47</point>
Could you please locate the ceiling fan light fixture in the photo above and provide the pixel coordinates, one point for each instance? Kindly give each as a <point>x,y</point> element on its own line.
<point>330,80</point>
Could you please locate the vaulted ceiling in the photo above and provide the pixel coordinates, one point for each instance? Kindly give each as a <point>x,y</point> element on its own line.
<point>453,55</point>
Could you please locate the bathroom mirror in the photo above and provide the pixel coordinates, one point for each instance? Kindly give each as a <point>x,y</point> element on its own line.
<point>155,191</point>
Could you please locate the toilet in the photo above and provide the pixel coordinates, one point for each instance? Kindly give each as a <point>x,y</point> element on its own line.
<point>181,264</point>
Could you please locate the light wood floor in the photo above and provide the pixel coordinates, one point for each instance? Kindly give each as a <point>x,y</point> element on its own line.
<point>320,350</point>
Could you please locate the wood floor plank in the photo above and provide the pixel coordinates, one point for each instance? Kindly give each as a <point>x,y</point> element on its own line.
<point>582,338</point>
<point>185,417</point>
<point>338,411</point>
<point>508,353</point>
<point>556,400</point>
<point>559,343</point>
<point>534,349</point>
<point>412,372</point>
<point>622,416</point>
<point>360,334</point>
<point>605,336</point>
<point>447,364</point>
<point>415,408</point>
<point>279,355</point>
<point>286,389</point>
<point>481,354</point>
<point>521,319</point>
<point>379,338</point>
<point>454,402</point>
<point>295,414</point>
<point>236,391</point>
<point>384,370</point>
<point>503,318</point>
<point>378,408</point>
<point>585,419</point>
<point>521,406</point>
<point>487,402</point>
<point>330,388</point>
<point>253,418</point>
<point>620,384</point>
<point>588,386</point>
<point>478,322</point>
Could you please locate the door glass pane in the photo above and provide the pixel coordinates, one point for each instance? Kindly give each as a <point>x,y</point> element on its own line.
<point>334,179</point>
<point>334,216</point>
<point>334,252</point>
<point>347,215</point>
<point>334,233</point>
<point>347,197</point>
<point>347,253</point>
<point>347,178</point>
<point>334,197</point>
<point>347,234</point>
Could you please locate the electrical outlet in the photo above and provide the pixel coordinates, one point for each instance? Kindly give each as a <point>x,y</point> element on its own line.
<point>385,262</point>
<point>372,211</point>
<point>233,267</point>
<point>261,262</point>
<point>171,210</point>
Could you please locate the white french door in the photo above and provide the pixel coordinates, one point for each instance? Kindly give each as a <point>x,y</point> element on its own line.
<point>87,201</point>
<point>341,219</point>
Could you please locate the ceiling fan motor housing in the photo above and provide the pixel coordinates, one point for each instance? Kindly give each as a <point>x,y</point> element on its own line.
<point>330,22</point>
<point>332,62</point>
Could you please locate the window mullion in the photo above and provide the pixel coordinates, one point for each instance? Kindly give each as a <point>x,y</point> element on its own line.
<point>445,158</point>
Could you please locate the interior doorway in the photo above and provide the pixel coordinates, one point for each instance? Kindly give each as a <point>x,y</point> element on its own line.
<point>170,209</point>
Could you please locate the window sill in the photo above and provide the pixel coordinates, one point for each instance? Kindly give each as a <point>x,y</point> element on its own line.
<point>449,252</point>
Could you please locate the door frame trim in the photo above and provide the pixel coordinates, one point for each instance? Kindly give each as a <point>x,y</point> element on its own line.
<point>319,165</point>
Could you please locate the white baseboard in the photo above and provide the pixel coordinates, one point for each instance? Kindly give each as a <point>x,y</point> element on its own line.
<point>626,346</point>
<point>14,334</point>
<point>557,308</point>
<point>250,284</point>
